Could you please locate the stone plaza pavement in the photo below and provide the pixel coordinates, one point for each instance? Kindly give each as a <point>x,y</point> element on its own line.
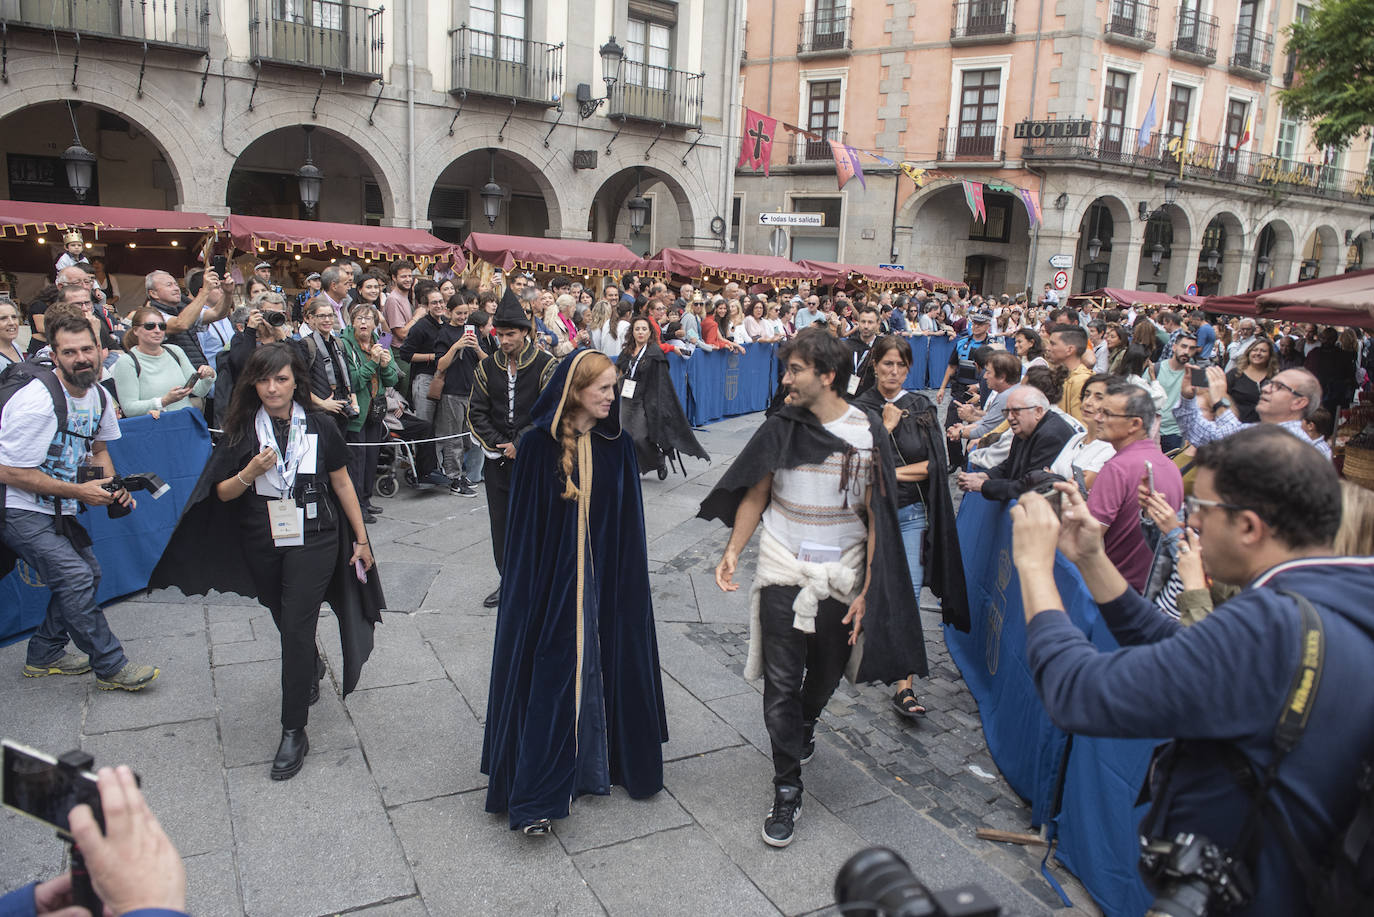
<point>387,819</point>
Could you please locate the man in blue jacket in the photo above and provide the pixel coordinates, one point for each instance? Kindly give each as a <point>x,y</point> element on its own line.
<point>1266,507</point>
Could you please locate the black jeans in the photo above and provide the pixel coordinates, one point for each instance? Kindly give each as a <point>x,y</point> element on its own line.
<point>496,476</point>
<point>291,582</point>
<point>362,460</point>
<point>800,673</point>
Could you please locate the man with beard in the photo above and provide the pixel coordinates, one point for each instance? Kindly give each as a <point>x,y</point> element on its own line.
<point>49,428</point>
<point>504,389</point>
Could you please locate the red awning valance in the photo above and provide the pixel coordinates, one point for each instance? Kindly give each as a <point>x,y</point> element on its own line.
<point>568,256</point>
<point>1343,299</point>
<point>301,236</point>
<point>18,218</point>
<point>878,277</point>
<point>694,265</point>
<point>1130,297</point>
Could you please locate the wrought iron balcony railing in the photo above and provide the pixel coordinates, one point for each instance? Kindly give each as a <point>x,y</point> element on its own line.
<point>826,32</point>
<point>1196,36</point>
<point>1253,53</point>
<point>506,68</point>
<point>1115,145</point>
<point>658,94</point>
<point>806,151</point>
<point>981,20</point>
<point>1132,22</point>
<point>333,35</point>
<point>968,143</point>
<point>168,23</point>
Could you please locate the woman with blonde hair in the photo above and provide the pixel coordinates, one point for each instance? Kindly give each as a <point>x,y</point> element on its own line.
<point>576,699</point>
<point>152,375</point>
<point>558,320</point>
<point>1355,537</point>
<point>1255,365</point>
<point>739,334</point>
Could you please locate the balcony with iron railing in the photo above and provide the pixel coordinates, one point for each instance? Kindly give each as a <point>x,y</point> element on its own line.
<point>826,33</point>
<point>1132,23</point>
<point>808,152</point>
<point>1195,39</point>
<point>658,94</point>
<point>506,68</point>
<point>1120,146</point>
<point>979,21</point>
<point>970,143</point>
<point>340,37</point>
<point>171,24</point>
<point>1253,55</point>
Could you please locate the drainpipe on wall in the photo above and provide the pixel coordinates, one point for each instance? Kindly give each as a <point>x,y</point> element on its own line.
<point>1030,113</point>
<point>730,94</point>
<point>410,116</point>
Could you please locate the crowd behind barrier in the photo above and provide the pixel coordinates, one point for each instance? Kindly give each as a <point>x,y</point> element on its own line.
<point>1084,788</point>
<point>175,447</point>
<point>715,384</point>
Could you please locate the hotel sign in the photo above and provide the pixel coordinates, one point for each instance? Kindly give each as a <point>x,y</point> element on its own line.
<point>1054,130</point>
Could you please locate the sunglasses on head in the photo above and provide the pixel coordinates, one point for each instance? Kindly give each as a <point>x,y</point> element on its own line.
<point>149,326</point>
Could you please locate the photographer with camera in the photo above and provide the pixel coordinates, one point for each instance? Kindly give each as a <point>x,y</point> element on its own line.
<point>1289,649</point>
<point>331,390</point>
<point>51,428</point>
<point>133,866</point>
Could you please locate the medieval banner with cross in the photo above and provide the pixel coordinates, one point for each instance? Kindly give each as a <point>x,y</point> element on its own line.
<point>756,146</point>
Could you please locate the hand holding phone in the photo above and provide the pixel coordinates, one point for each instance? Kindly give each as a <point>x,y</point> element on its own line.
<point>1197,375</point>
<point>360,571</point>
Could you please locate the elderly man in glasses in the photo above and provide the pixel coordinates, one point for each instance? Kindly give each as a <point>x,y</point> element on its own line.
<point>1040,436</point>
<point>1285,401</point>
<point>1125,420</point>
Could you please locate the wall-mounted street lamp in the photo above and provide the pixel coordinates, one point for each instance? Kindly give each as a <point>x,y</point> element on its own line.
<point>491,193</point>
<point>1171,190</point>
<point>1212,259</point>
<point>638,207</point>
<point>611,56</point>
<point>309,177</point>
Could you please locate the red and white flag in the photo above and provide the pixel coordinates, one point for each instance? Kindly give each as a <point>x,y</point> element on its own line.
<point>756,146</point>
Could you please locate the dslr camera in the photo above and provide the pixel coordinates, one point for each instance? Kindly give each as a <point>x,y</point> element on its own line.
<point>877,882</point>
<point>1194,876</point>
<point>144,480</point>
<point>274,317</point>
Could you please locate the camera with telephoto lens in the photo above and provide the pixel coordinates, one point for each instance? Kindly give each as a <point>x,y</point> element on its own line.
<point>876,882</point>
<point>1194,876</point>
<point>144,480</point>
<point>274,318</point>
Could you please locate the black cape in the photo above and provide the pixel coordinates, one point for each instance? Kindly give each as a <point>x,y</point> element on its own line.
<point>793,436</point>
<point>668,429</point>
<point>206,552</point>
<point>540,749</point>
<point>944,562</point>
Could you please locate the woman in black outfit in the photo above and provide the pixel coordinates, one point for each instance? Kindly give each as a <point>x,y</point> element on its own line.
<point>925,511</point>
<point>267,519</point>
<point>649,409</point>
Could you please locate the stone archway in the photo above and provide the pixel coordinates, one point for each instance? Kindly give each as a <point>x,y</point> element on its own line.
<point>133,167</point>
<point>1272,259</point>
<point>1169,234</point>
<point>608,216</point>
<point>1322,254</point>
<point>263,182</point>
<point>1108,220</point>
<point>944,240</point>
<point>529,203</point>
<point>1224,233</point>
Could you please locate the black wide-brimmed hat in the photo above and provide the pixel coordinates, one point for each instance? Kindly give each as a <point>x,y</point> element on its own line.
<point>509,314</point>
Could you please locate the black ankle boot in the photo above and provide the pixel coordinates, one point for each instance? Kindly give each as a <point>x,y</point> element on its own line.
<point>290,754</point>
<point>314,696</point>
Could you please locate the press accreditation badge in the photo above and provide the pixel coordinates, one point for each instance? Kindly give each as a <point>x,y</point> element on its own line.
<point>853,385</point>
<point>285,519</point>
<point>627,389</point>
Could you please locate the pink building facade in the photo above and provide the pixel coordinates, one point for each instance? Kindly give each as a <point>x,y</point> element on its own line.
<point>1150,133</point>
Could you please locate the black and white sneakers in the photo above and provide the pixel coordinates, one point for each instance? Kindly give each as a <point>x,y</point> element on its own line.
<point>782,818</point>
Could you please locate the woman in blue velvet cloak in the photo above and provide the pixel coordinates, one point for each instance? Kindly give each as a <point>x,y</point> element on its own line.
<point>576,699</point>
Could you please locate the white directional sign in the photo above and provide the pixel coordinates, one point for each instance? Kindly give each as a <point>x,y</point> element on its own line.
<point>791,219</point>
<point>1063,262</point>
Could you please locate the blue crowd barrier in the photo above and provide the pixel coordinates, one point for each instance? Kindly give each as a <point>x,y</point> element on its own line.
<point>916,376</point>
<point>175,447</point>
<point>725,384</point>
<point>677,371</point>
<point>937,359</point>
<point>1096,787</point>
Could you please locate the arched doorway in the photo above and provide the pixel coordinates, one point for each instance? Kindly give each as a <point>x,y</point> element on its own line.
<point>1164,251</point>
<point>263,181</point>
<point>456,206</point>
<point>1322,255</point>
<point>131,168</point>
<point>947,240</point>
<point>1220,255</point>
<point>1104,235</point>
<point>668,221</point>
<point>1273,256</point>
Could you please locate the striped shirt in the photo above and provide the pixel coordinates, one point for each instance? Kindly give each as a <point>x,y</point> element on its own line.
<point>820,503</point>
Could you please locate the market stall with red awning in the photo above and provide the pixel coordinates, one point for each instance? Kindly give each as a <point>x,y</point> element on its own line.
<point>1345,299</point>
<point>1129,297</point>
<point>263,234</point>
<point>725,266</point>
<point>877,278</point>
<point>132,241</point>
<point>553,256</point>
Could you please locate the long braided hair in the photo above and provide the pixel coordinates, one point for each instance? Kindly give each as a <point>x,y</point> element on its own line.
<point>591,365</point>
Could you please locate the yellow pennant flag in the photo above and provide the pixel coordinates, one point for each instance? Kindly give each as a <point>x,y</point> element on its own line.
<point>915,174</point>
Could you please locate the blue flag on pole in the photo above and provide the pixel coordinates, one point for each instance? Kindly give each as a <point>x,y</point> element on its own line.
<point>1148,125</point>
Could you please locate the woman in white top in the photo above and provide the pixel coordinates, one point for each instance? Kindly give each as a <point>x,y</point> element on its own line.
<point>1085,454</point>
<point>9,330</point>
<point>151,376</point>
<point>753,322</point>
<point>601,329</point>
<point>738,332</point>
<point>773,328</point>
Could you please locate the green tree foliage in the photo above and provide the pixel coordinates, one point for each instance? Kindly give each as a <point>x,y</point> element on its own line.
<point>1333,83</point>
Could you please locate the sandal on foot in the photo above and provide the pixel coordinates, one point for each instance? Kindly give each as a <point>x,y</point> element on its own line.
<point>905,703</point>
<point>538,828</point>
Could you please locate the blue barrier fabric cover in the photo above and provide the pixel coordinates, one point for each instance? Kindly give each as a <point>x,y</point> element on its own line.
<point>937,359</point>
<point>1098,819</point>
<point>724,384</point>
<point>175,447</point>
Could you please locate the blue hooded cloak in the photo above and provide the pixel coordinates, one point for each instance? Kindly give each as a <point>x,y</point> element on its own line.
<point>576,699</point>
